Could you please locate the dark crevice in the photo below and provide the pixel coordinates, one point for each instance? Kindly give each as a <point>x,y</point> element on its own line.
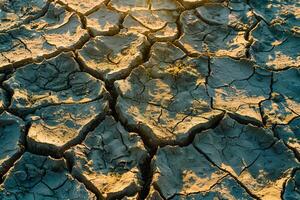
<point>250,40</point>
<point>286,181</point>
<point>215,122</point>
<point>206,82</point>
<point>6,166</point>
<point>227,172</point>
<point>264,119</point>
<point>147,175</point>
<point>147,53</point>
<point>242,120</point>
<point>179,27</point>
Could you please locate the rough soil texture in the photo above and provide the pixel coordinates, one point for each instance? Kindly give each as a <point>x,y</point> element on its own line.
<point>110,159</point>
<point>149,99</point>
<point>42,177</point>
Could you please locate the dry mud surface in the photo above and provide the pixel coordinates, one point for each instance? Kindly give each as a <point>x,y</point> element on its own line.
<point>149,99</point>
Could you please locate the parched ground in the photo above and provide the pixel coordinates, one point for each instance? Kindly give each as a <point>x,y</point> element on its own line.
<point>149,99</point>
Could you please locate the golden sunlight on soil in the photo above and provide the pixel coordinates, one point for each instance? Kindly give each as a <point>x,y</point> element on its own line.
<point>149,99</point>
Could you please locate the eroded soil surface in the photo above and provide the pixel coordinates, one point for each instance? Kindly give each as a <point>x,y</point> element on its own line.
<point>149,99</point>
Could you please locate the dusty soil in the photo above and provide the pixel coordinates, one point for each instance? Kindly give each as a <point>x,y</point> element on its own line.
<point>149,99</point>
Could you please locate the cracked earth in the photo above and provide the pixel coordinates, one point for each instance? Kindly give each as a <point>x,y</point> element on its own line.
<point>149,99</point>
